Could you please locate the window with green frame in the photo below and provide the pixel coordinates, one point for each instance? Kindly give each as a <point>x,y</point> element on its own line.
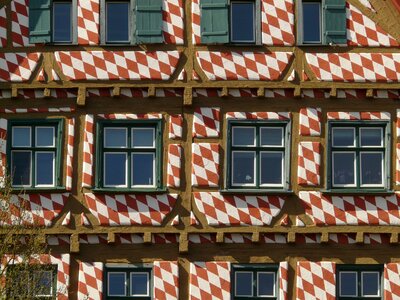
<point>34,152</point>
<point>31,281</point>
<point>359,282</point>
<point>128,282</point>
<point>257,156</point>
<point>255,281</point>
<point>129,154</point>
<point>359,155</point>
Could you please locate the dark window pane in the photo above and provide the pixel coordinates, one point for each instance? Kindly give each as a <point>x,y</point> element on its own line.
<point>371,137</point>
<point>243,136</point>
<point>21,167</point>
<point>115,137</point>
<point>45,136</point>
<point>343,168</point>
<point>142,137</point>
<point>371,168</point>
<point>266,284</point>
<point>271,167</point>
<point>142,169</point>
<point>343,137</point>
<point>271,136</point>
<point>242,21</point>
<point>115,169</point>
<point>348,284</point>
<point>21,136</point>
<point>311,22</point>
<point>44,168</point>
<point>139,284</point>
<point>116,284</point>
<point>243,168</point>
<point>370,284</point>
<point>244,284</point>
<point>117,22</point>
<point>43,281</point>
<point>62,22</point>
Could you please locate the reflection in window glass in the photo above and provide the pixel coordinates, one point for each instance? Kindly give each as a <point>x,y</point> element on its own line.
<point>115,137</point>
<point>139,284</point>
<point>62,22</point>
<point>370,284</point>
<point>343,137</point>
<point>114,169</point>
<point>242,21</point>
<point>343,168</point>
<point>117,22</point>
<point>266,284</point>
<point>43,280</point>
<point>371,137</point>
<point>243,284</point>
<point>142,137</point>
<point>45,137</point>
<point>271,168</point>
<point>371,168</point>
<point>44,168</point>
<point>243,167</point>
<point>348,284</point>
<point>243,136</point>
<point>143,169</point>
<point>311,22</point>
<point>116,284</point>
<point>21,168</point>
<point>21,136</point>
<point>271,136</point>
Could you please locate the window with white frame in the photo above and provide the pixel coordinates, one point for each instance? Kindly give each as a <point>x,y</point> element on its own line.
<point>34,153</point>
<point>129,154</point>
<point>126,282</point>
<point>257,155</point>
<point>255,281</point>
<point>359,282</point>
<point>359,155</point>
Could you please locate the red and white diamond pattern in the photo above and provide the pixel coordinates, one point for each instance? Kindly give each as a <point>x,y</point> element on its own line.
<point>175,126</point>
<point>174,165</point>
<point>20,23</point>
<point>210,281</point>
<point>206,122</point>
<point>41,209</point>
<point>341,115</point>
<point>362,31</point>
<point>122,209</point>
<point>398,164</point>
<point>310,121</point>
<point>90,285</point>
<point>3,27</point>
<point>367,4</point>
<point>88,151</point>
<point>277,22</point>
<point>391,281</point>
<point>309,162</point>
<point>227,210</point>
<point>196,21</point>
<point>205,164</point>
<point>58,240</point>
<point>173,26</point>
<point>316,280</point>
<point>165,280</point>
<point>17,67</point>
<point>37,110</point>
<point>283,280</point>
<point>129,116</point>
<point>88,22</point>
<point>117,65</point>
<point>355,67</point>
<point>243,65</point>
<point>70,152</point>
<point>258,115</point>
<point>351,210</point>
<point>67,219</point>
<point>387,94</point>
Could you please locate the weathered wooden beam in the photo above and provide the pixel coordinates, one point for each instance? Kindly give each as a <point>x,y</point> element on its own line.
<point>81,99</point>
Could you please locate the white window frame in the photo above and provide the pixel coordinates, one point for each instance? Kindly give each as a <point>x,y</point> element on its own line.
<point>108,284</point>
<point>339,128</point>
<point>382,137</point>
<point>282,170</point>
<point>30,136</point>
<point>103,22</point>
<point>154,171</point>
<point>115,128</point>
<point>258,284</point>
<point>254,169</point>
<point>236,285</point>
<point>51,284</point>
<point>126,169</point>
<point>53,165</point>
<point>233,136</point>
<point>272,146</point>
<point>356,284</point>
<point>145,129</point>
<point>300,20</point>
<point>36,136</point>
<point>354,168</point>
<point>362,284</point>
<point>74,23</point>
<point>147,286</point>
<point>254,22</point>
<point>30,168</point>
<point>383,171</point>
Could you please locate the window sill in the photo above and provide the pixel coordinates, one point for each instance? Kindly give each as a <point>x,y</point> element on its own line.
<point>257,191</point>
<point>58,189</point>
<point>357,192</point>
<point>161,190</point>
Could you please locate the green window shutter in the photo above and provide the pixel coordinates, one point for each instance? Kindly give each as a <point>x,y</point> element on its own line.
<point>335,22</point>
<point>149,21</point>
<point>214,21</point>
<point>40,21</point>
